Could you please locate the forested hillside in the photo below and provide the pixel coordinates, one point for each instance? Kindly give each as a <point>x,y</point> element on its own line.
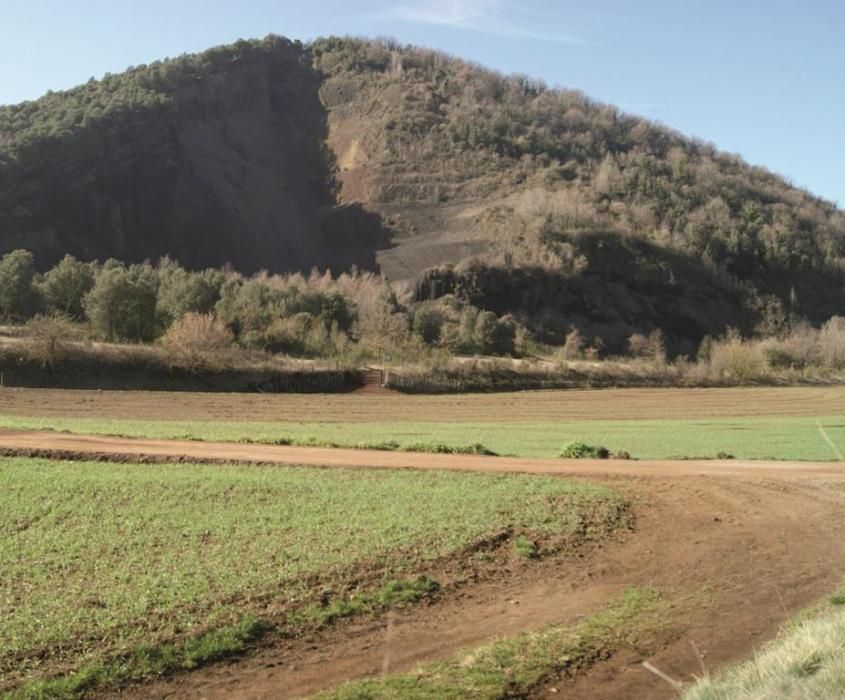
<point>215,158</point>
<point>456,181</point>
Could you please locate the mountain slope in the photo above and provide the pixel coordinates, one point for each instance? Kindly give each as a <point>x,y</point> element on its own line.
<point>270,154</point>
<point>477,162</point>
<point>211,159</point>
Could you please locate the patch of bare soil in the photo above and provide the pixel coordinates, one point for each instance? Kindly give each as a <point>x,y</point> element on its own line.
<point>738,547</point>
<point>527,406</point>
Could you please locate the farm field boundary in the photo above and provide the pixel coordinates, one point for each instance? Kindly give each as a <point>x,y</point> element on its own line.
<point>121,571</point>
<point>521,407</point>
<point>707,534</point>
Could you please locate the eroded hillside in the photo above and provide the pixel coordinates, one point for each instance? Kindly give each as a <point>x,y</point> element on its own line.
<point>473,164</point>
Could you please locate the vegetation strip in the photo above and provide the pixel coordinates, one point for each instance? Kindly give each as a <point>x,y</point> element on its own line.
<point>383,446</point>
<point>516,667</point>
<point>145,661</point>
<point>103,560</point>
<point>393,594</point>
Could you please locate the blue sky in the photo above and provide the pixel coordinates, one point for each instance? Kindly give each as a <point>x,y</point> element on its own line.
<point>765,79</point>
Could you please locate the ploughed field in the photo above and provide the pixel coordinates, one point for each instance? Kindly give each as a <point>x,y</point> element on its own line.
<point>801,423</point>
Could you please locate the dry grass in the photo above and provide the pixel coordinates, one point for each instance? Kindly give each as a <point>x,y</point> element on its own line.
<point>51,338</point>
<point>199,342</point>
<point>805,663</point>
<point>736,360</point>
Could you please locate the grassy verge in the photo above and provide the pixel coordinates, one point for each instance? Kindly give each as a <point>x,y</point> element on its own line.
<point>475,448</point>
<point>805,661</point>
<point>515,667</point>
<point>794,438</point>
<point>99,560</point>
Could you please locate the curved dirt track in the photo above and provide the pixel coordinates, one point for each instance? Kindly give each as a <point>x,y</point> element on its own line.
<point>737,547</point>
<point>735,557</point>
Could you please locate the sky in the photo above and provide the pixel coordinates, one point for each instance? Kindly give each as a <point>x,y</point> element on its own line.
<point>761,78</point>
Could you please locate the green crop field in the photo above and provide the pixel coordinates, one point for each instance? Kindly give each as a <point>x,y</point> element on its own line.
<point>768,437</point>
<point>100,558</point>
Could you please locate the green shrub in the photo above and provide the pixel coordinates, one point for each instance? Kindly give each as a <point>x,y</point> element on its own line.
<point>428,325</point>
<point>122,303</point>
<point>526,547</point>
<point>442,448</point>
<point>181,292</point>
<point>18,295</point>
<point>581,450</point>
<point>64,287</point>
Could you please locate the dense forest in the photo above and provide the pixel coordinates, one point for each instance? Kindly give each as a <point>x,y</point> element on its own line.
<point>463,186</point>
<point>212,158</point>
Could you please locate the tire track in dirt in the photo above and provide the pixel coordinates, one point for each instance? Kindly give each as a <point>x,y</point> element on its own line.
<point>737,547</point>
<point>830,442</point>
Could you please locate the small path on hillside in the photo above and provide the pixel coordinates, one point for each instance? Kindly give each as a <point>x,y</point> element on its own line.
<point>738,547</point>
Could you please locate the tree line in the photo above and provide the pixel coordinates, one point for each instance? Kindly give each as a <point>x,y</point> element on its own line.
<point>201,317</point>
<point>316,315</point>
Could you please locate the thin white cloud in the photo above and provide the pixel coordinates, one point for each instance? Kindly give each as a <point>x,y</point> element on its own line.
<point>495,17</point>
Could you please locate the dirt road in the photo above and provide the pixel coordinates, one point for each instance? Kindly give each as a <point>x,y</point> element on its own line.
<point>737,547</point>
<point>55,444</point>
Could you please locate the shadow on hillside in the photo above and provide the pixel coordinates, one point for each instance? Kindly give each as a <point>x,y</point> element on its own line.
<point>629,285</point>
<point>209,159</point>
